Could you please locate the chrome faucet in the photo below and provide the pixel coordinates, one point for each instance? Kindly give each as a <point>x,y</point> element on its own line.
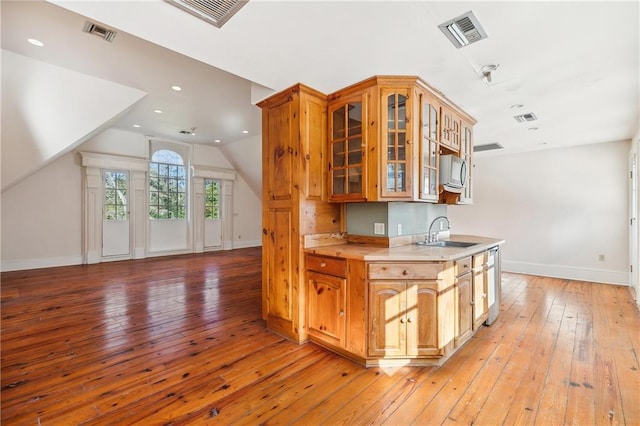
<point>433,237</point>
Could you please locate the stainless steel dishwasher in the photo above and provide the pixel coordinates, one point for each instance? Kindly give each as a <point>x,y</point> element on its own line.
<point>494,276</point>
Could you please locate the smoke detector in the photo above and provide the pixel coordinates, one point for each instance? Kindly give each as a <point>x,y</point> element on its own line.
<point>215,12</point>
<point>100,31</point>
<point>463,30</point>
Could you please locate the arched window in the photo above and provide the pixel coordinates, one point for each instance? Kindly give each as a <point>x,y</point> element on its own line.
<point>167,186</point>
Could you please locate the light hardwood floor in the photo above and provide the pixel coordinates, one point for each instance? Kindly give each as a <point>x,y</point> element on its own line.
<point>179,340</point>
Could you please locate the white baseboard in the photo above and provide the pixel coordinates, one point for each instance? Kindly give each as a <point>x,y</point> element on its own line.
<point>50,262</point>
<point>248,243</point>
<point>567,272</point>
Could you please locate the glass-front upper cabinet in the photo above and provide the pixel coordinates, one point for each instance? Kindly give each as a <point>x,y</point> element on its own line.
<point>396,158</point>
<point>466,151</point>
<point>450,128</point>
<point>346,150</point>
<point>429,149</point>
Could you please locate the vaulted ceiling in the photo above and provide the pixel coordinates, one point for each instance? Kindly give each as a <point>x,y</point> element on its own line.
<point>575,65</point>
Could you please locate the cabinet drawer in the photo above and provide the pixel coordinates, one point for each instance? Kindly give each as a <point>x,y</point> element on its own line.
<point>409,271</point>
<point>327,265</point>
<point>462,266</point>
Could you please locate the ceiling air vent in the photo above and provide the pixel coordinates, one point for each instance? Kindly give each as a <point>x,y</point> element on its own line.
<point>524,118</point>
<point>102,32</point>
<point>463,30</point>
<point>215,12</point>
<point>487,147</point>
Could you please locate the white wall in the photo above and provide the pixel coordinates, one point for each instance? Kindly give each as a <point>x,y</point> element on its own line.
<point>42,218</point>
<point>558,211</point>
<point>42,214</point>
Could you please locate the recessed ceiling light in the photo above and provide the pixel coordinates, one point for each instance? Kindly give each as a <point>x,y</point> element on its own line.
<point>35,42</point>
<point>516,106</point>
<point>217,140</point>
<point>176,88</point>
<point>157,111</point>
<point>136,126</point>
<point>245,131</point>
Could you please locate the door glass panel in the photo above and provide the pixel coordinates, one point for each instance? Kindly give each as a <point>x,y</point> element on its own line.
<point>401,146</point>
<point>391,111</point>
<point>434,125</point>
<point>391,146</point>
<point>401,186</point>
<point>355,180</point>
<point>355,151</point>
<point>402,114</point>
<point>338,154</point>
<point>338,124</point>
<point>391,177</point>
<point>338,181</point>
<point>355,118</point>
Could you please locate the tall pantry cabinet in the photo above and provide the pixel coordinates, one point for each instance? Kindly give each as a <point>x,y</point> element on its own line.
<point>294,202</point>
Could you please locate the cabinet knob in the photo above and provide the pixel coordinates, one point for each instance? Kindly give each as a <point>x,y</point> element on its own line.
<point>409,319</point>
<point>323,264</point>
<point>341,313</point>
<point>405,272</point>
<point>402,320</point>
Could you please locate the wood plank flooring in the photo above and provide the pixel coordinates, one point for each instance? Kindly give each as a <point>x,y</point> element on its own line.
<point>179,340</point>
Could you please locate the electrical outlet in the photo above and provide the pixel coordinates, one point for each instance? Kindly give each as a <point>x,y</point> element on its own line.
<point>378,228</point>
<point>399,229</point>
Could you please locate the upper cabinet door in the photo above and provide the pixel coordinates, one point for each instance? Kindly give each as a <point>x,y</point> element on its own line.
<point>450,130</point>
<point>346,151</point>
<point>396,155</point>
<point>429,149</point>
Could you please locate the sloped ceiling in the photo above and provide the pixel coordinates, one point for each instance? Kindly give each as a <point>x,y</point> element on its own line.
<point>48,110</point>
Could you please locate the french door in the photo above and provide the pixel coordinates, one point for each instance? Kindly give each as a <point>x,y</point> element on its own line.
<point>116,228</point>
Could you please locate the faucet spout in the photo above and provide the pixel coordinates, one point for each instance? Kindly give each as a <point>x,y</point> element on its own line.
<point>433,237</point>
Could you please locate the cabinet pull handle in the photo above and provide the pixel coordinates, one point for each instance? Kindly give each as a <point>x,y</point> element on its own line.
<point>341,313</point>
<point>323,264</point>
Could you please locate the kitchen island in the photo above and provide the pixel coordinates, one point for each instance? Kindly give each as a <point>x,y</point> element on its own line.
<point>408,305</point>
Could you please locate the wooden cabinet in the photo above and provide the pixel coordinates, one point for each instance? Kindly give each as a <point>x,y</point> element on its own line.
<point>410,318</point>
<point>371,140</point>
<point>294,202</point>
<point>464,300</point>
<point>480,289</point>
<point>326,299</point>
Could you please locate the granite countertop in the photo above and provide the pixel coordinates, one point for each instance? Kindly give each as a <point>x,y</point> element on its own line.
<point>412,252</point>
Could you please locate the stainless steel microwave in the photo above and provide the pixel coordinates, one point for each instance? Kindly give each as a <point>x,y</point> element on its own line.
<point>453,173</point>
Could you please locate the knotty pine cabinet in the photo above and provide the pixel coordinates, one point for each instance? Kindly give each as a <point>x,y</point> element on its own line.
<point>294,202</point>
<point>385,137</point>
<point>480,289</point>
<point>463,301</point>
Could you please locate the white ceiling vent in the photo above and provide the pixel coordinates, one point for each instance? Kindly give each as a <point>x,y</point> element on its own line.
<point>487,147</point>
<point>524,118</point>
<point>463,30</point>
<point>102,32</point>
<point>215,12</point>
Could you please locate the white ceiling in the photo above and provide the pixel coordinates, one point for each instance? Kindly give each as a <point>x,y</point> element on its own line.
<point>574,64</point>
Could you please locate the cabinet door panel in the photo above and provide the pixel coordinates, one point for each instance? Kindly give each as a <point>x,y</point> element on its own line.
<point>422,320</point>
<point>281,153</point>
<point>281,281</point>
<point>387,322</point>
<point>464,317</point>
<point>326,307</point>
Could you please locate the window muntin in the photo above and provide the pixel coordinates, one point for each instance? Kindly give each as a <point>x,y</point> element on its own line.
<point>167,186</point>
<point>212,199</point>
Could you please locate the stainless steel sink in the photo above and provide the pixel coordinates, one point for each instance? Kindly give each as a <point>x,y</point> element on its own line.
<point>459,244</point>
